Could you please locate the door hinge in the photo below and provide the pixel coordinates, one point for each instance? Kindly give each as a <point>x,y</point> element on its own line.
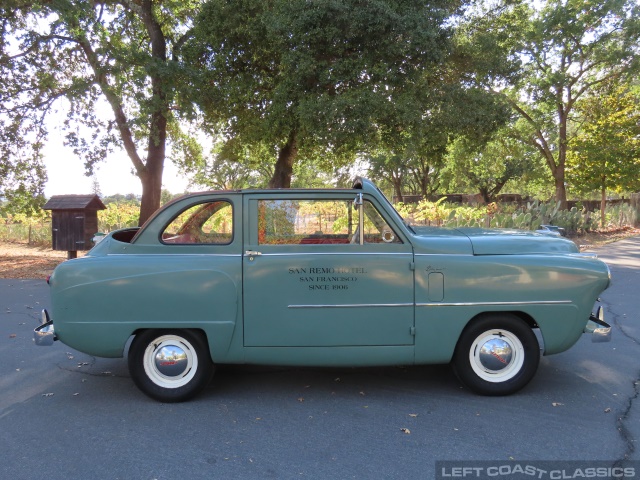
<point>412,266</point>
<point>412,331</point>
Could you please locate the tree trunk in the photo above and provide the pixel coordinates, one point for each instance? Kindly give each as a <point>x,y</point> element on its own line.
<point>151,176</point>
<point>151,179</point>
<point>397,188</point>
<point>561,192</point>
<point>603,204</point>
<point>558,174</point>
<point>284,165</point>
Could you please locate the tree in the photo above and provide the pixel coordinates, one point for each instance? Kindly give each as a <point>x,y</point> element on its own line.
<point>487,169</point>
<point>568,48</point>
<point>460,106</point>
<point>604,154</point>
<point>66,58</point>
<point>390,167</point>
<point>320,79</point>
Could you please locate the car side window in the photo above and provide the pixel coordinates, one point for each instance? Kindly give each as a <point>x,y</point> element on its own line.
<point>205,223</point>
<point>318,222</point>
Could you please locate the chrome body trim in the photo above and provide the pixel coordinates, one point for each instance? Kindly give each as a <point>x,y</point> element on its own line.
<point>354,305</point>
<point>494,304</point>
<point>308,254</point>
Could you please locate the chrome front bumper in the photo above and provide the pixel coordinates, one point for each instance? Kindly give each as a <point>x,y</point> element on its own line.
<point>44,335</point>
<point>598,328</point>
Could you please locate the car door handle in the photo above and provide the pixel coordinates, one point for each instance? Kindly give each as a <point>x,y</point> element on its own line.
<point>252,253</point>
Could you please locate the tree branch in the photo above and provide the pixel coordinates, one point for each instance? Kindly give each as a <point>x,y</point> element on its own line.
<point>116,106</point>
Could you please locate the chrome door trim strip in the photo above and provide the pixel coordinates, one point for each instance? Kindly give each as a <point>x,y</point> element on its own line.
<point>354,305</point>
<point>494,304</point>
<point>174,254</point>
<point>458,304</point>
<point>307,254</point>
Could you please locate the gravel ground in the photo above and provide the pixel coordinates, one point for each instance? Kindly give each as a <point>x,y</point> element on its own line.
<point>18,260</point>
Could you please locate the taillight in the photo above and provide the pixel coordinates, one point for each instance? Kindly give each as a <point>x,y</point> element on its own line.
<point>48,277</point>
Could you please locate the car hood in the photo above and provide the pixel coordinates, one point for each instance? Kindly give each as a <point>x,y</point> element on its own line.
<point>502,242</point>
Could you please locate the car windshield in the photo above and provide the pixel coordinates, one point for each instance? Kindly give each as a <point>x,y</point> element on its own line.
<point>405,221</point>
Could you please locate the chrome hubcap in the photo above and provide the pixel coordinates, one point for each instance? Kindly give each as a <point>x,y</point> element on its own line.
<point>171,361</point>
<point>495,355</point>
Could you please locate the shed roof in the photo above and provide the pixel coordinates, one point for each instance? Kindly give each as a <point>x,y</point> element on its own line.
<point>74,202</point>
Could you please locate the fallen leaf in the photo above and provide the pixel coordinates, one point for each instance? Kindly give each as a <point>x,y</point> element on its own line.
<point>13,335</point>
<point>362,393</point>
<point>300,399</point>
<point>337,379</point>
<point>557,404</point>
<point>414,415</point>
<point>76,394</point>
<point>607,410</point>
<point>405,430</point>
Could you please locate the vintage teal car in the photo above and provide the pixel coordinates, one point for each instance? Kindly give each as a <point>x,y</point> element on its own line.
<point>321,278</point>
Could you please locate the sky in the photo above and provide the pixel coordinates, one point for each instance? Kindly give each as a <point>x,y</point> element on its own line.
<point>66,173</point>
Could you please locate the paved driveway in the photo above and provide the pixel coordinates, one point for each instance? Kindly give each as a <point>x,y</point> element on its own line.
<point>65,415</point>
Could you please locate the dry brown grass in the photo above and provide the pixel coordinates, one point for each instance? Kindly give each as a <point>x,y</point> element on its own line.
<point>18,260</point>
<point>599,238</point>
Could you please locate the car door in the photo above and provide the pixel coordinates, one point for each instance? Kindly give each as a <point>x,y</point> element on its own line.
<point>311,279</point>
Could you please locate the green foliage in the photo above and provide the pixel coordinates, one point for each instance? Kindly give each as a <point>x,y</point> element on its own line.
<point>316,80</point>
<point>105,71</point>
<point>530,217</point>
<point>118,215</point>
<point>488,169</point>
<point>568,48</point>
<point>34,229</point>
<point>605,152</point>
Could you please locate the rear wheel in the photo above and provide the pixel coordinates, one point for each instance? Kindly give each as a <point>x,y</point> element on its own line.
<point>497,354</point>
<point>170,365</point>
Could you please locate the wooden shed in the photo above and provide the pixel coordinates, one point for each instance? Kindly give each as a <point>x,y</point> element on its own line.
<point>74,221</point>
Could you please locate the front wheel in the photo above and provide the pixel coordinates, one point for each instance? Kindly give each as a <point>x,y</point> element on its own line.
<point>497,354</point>
<point>170,365</point>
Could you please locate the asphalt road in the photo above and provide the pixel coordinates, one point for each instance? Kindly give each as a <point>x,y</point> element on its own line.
<point>65,415</point>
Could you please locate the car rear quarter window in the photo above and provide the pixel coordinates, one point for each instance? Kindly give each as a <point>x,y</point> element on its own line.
<point>208,223</point>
